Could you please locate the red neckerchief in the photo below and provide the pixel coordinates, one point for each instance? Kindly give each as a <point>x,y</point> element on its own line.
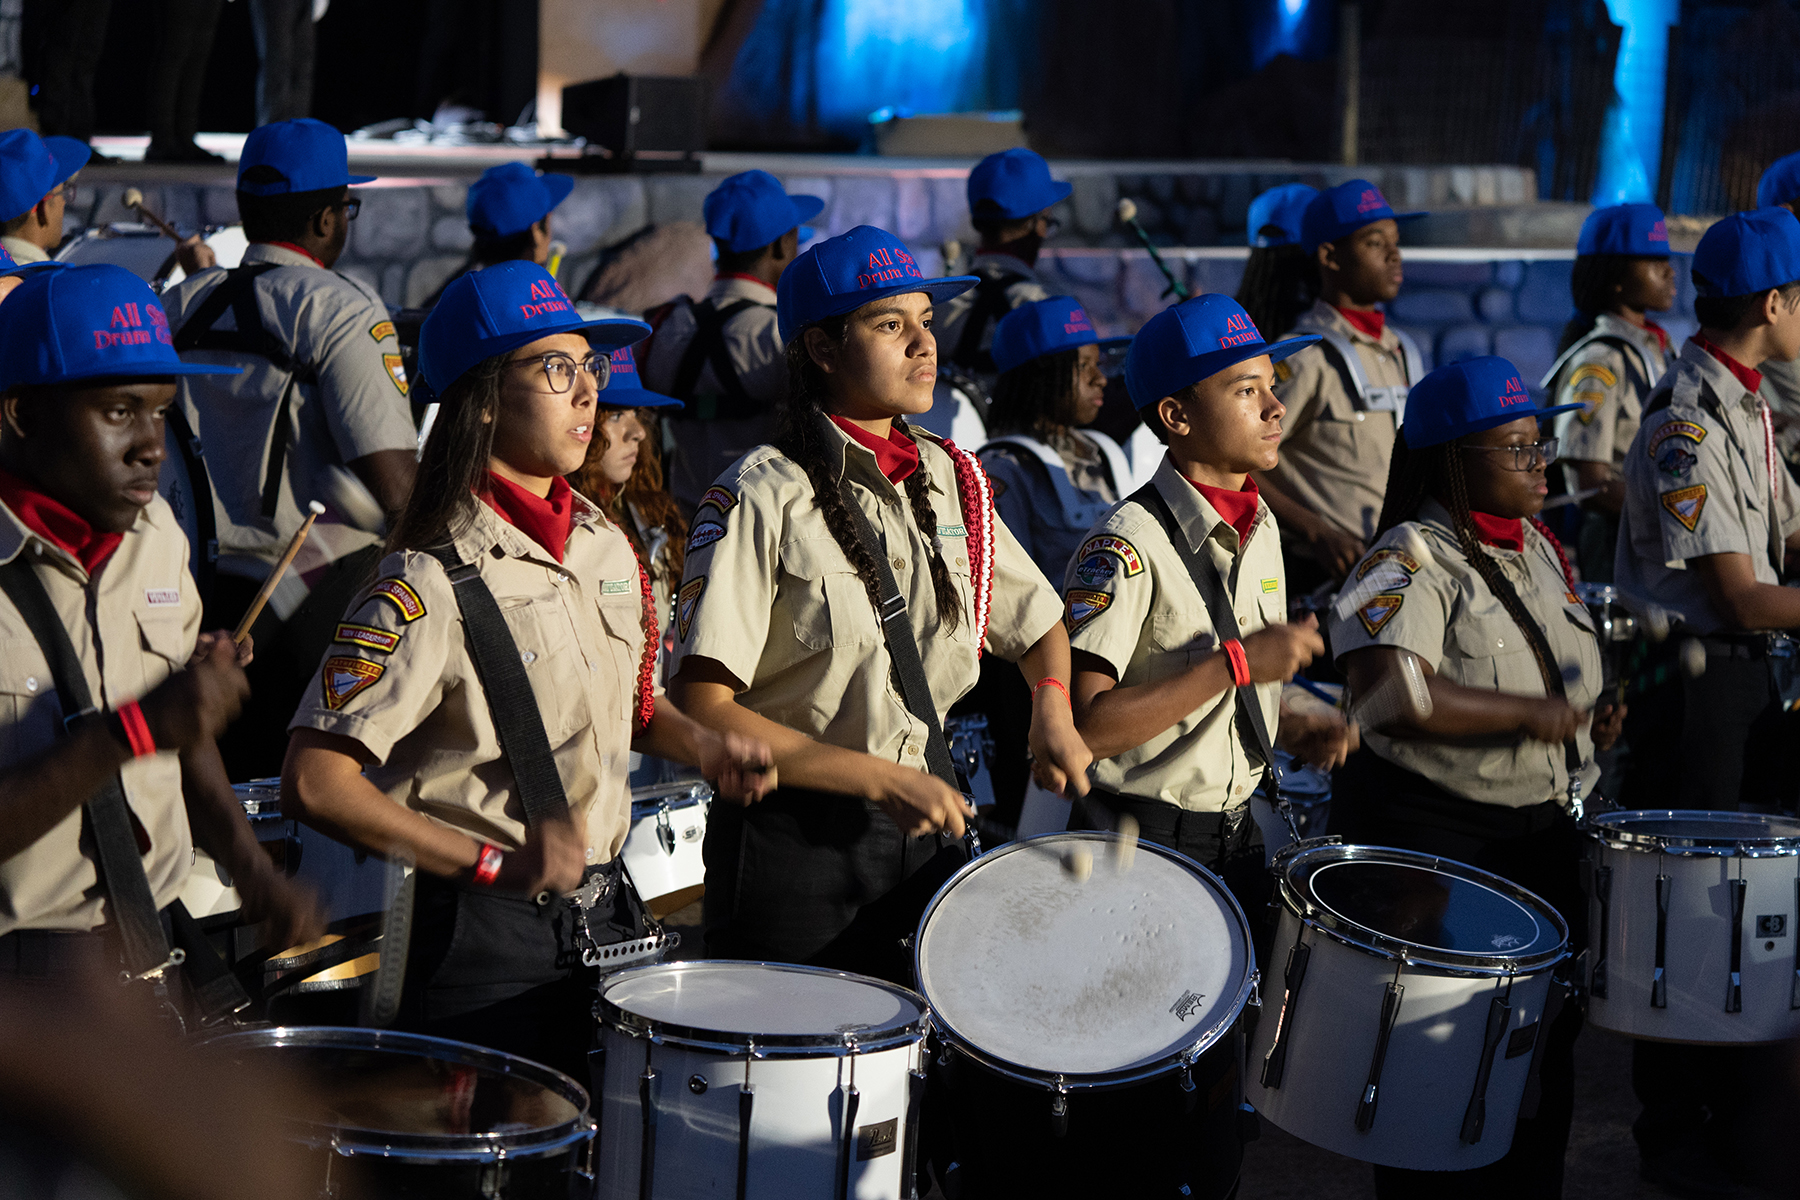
<point>724,275</point>
<point>1662,335</point>
<point>1503,533</point>
<point>1750,378</point>
<point>296,249</point>
<point>57,523</point>
<point>546,520</point>
<point>896,454</point>
<point>1238,508</point>
<point>1370,322</point>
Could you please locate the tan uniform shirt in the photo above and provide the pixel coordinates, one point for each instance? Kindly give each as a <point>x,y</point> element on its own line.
<point>358,406</point>
<point>23,251</point>
<point>1334,456</point>
<point>1781,391</point>
<point>1697,483</point>
<point>1612,383</point>
<point>1023,285</point>
<point>1443,612</point>
<point>132,627</point>
<point>771,597</point>
<point>400,680</point>
<point>1131,602</point>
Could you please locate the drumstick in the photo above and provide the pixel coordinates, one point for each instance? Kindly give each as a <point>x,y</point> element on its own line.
<point>134,200</point>
<point>268,587</point>
<point>1125,843</point>
<point>1402,695</point>
<point>1127,212</point>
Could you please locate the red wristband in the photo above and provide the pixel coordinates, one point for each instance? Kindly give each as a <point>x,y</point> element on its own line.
<point>137,730</point>
<point>1240,665</point>
<point>1052,681</point>
<point>487,864</point>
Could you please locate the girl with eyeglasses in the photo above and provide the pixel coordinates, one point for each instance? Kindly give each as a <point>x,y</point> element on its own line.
<point>1464,579</point>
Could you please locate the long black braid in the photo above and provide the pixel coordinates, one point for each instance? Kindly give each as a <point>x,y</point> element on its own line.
<point>1279,284</point>
<point>1415,474</point>
<point>803,439</point>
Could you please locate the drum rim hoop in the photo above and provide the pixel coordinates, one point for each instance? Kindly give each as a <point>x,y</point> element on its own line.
<point>1603,830</point>
<point>1299,901</point>
<point>1207,1038</point>
<point>759,1045</point>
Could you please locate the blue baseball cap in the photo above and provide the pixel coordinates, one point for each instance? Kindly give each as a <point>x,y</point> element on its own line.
<point>1634,229</point>
<point>1044,327</point>
<point>1281,207</point>
<point>309,154</point>
<point>751,209</point>
<point>484,313</point>
<point>843,273</point>
<point>625,387</point>
<point>511,198</point>
<point>31,167</point>
<point>1195,339</point>
<point>1780,183</point>
<point>1344,209</point>
<point>88,323</point>
<point>1016,183</point>
<point>1748,252</point>
<point>1468,397</point>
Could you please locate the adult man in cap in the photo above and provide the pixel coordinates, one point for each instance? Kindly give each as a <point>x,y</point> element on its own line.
<point>724,357</point>
<point>34,172</point>
<point>1010,197</point>
<point>1345,396</point>
<point>109,771</point>
<point>1709,518</point>
<point>1779,187</point>
<point>320,412</point>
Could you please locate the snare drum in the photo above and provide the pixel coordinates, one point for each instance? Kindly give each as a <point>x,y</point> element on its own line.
<point>398,1115</point>
<point>757,1079</point>
<point>1308,792</point>
<point>208,891</point>
<point>1694,918</point>
<point>350,883</point>
<point>1413,991</point>
<point>1087,1020</point>
<point>662,851</point>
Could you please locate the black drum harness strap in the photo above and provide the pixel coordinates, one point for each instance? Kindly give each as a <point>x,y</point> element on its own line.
<point>707,347</point>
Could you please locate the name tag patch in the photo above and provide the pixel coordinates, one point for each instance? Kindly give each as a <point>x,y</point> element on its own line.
<point>162,597</point>
<point>1271,585</point>
<point>615,587</point>
<point>382,641</point>
<point>961,531</point>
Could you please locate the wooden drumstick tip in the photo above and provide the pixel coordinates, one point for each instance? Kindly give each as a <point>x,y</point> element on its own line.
<point>1079,862</point>
<point>1127,210</point>
<point>315,508</point>
<point>1125,844</point>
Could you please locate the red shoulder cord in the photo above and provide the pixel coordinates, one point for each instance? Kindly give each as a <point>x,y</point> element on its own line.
<point>1561,557</point>
<point>977,497</point>
<point>646,680</point>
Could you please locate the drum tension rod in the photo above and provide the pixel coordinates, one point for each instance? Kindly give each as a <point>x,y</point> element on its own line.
<point>647,1090</point>
<point>1275,1061</point>
<point>746,1102</point>
<point>1794,988</point>
<point>1659,986</point>
<point>1390,1012</point>
<point>1059,1109</point>
<point>847,1135</point>
<point>1734,988</point>
<point>909,1157</point>
<point>1602,893</point>
<point>1499,1017</point>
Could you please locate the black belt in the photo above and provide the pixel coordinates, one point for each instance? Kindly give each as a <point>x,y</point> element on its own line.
<point>47,953</point>
<point>1743,645</point>
<point>1235,828</point>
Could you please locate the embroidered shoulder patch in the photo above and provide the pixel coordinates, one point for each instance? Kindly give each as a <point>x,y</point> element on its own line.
<point>1084,606</point>
<point>399,593</point>
<point>1671,447</point>
<point>162,597</point>
<point>1378,612</point>
<point>396,369</point>
<point>687,602</point>
<point>1390,554</point>
<point>1593,371</point>
<point>1118,547</point>
<point>345,677</point>
<point>382,330</point>
<point>1096,569</point>
<point>704,534</point>
<point>1683,429</point>
<point>382,641</point>
<point>617,587</point>
<point>1284,371</point>
<point>1685,504</point>
<point>719,498</point>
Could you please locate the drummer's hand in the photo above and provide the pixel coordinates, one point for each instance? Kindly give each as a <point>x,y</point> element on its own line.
<point>1318,739</point>
<point>1336,550</point>
<point>742,769</point>
<point>290,910</point>
<point>1551,720</point>
<point>1609,723</point>
<point>919,802</point>
<point>552,859</point>
<point>1275,653</point>
<point>245,650</point>
<point>1059,758</point>
<point>195,255</point>
<point>196,705</point>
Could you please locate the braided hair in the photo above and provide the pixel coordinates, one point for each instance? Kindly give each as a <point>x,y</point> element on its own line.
<point>802,438</point>
<point>1279,284</point>
<point>1438,470</point>
<point>1036,398</point>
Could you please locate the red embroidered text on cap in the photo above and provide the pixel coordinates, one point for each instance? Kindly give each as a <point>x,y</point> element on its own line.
<point>1369,201</point>
<point>550,297</point>
<point>1238,331</point>
<point>134,325</point>
<point>887,267</point>
<point>1077,322</point>
<point>1659,232</point>
<point>1514,393</point>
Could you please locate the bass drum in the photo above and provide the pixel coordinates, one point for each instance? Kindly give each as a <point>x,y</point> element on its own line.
<point>392,1116</point>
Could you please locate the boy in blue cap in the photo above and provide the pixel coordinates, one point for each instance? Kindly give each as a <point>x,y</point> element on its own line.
<point>92,558</point>
<point>1010,197</point>
<point>1779,187</point>
<point>723,357</point>
<point>1346,396</point>
<point>321,408</point>
<point>34,173</point>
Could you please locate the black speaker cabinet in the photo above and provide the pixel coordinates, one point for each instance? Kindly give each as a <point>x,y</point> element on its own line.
<point>633,115</point>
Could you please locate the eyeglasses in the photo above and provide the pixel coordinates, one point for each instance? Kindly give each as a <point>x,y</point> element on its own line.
<point>1049,226</point>
<point>560,370</point>
<point>351,206</point>
<point>1527,457</point>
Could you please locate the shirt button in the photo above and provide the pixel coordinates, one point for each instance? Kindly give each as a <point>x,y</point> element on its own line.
<point>1244,621</point>
<point>590,854</point>
<point>899,564</point>
<point>31,684</point>
<point>529,657</point>
<point>962,562</point>
<point>1500,643</point>
<point>1362,416</point>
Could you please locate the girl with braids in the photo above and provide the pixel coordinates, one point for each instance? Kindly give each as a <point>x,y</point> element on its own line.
<point>399,749</point>
<point>1280,280</point>
<point>1610,359</point>
<point>778,634</point>
<point>1465,579</point>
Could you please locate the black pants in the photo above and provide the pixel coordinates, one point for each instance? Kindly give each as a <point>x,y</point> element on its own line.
<point>68,36</point>
<point>1374,802</point>
<point>819,878</point>
<point>1001,695</point>
<point>185,30</point>
<point>284,35</point>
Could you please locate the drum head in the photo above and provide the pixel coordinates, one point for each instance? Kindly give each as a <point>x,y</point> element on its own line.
<point>725,1004</point>
<point>377,1091</point>
<point>1036,970</point>
<point>1429,909</point>
<point>1698,831</point>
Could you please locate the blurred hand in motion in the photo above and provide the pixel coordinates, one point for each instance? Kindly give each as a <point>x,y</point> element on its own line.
<point>197,704</point>
<point>919,802</point>
<point>742,768</point>
<point>195,255</point>
<point>289,910</point>
<point>1276,653</point>
<point>552,859</point>
<point>1609,723</point>
<point>1322,739</point>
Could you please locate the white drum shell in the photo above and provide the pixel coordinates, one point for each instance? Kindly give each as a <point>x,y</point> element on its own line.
<point>794,1126</point>
<point>1432,1060</point>
<point>655,871</point>
<point>1697,953</point>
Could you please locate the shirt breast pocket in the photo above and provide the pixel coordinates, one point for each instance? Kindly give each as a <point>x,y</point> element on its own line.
<point>1177,642</point>
<point>827,602</point>
<point>554,662</point>
<point>165,648</point>
<point>27,700</point>
<point>1487,656</point>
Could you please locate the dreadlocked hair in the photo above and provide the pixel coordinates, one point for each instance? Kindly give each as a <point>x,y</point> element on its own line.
<point>1438,471</point>
<point>1279,284</point>
<point>644,491</point>
<point>802,439</point>
<point>1036,397</point>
